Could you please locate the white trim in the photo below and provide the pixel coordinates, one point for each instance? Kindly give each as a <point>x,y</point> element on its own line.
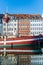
<point>17,50</point>
<point>20,40</point>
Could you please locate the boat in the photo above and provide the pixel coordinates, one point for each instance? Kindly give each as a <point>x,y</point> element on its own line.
<point>21,45</point>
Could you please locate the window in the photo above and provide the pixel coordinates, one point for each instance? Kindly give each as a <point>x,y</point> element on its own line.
<point>20,28</point>
<point>39,32</point>
<point>28,24</point>
<point>14,24</point>
<point>14,28</point>
<point>31,28</point>
<point>4,24</point>
<point>33,24</point>
<point>31,33</point>
<point>4,29</point>
<point>41,29</point>
<point>15,20</point>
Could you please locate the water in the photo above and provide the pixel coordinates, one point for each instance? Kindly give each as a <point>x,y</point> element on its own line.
<point>21,60</point>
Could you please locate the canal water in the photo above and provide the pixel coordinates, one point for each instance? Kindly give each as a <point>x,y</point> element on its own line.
<point>21,60</point>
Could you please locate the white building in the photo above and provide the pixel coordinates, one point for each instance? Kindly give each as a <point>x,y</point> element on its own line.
<point>36,26</point>
<point>10,28</point>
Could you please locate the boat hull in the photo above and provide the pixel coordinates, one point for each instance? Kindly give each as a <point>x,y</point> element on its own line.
<point>23,45</point>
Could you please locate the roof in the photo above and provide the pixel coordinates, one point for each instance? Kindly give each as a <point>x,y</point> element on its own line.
<point>25,16</point>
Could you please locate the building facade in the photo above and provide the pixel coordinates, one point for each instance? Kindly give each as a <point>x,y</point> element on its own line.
<point>1,25</point>
<point>24,26</point>
<point>21,25</point>
<point>10,28</point>
<point>36,25</point>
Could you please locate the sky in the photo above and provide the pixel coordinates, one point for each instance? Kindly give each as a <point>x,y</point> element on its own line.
<point>21,6</point>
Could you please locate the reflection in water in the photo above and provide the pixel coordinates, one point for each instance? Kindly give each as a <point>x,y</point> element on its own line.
<point>22,60</point>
